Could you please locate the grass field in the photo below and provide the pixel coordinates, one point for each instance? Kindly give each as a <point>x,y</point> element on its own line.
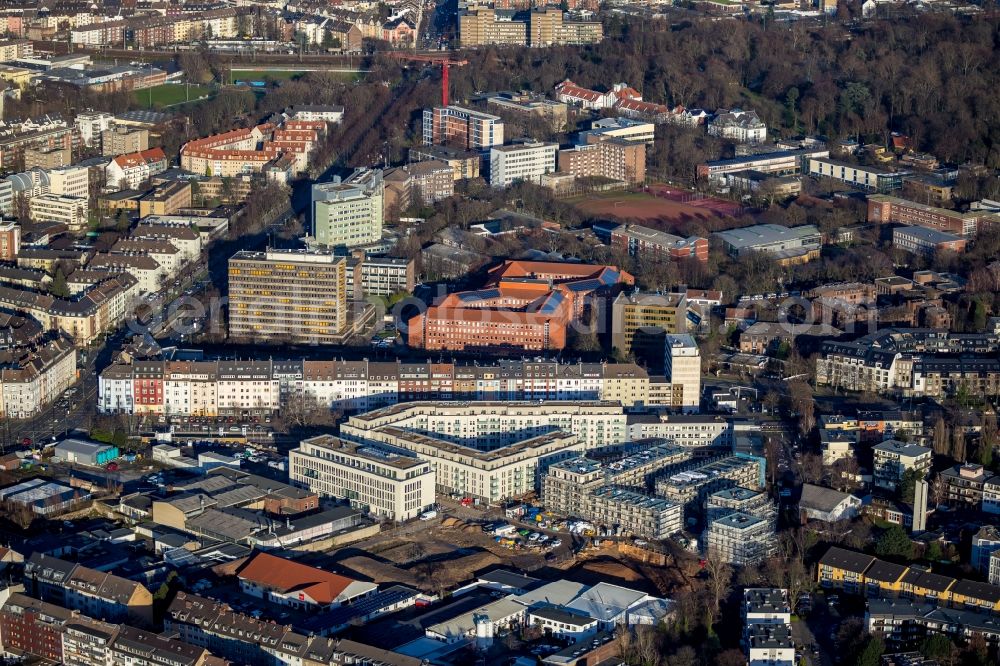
<point>169,94</point>
<point>286,75</point>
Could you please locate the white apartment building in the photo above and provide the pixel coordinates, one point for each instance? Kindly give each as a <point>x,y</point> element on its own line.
<point>29,384</point>
<point>622,128</point>
<point>740,539</point>
<point>526,162</point>
<point>379,481</point>
<point>146,270</point>
<point>71,211</point>
<point>349,213</point>
<point>90,124</point>
<point>991,495</point>
<point>741,126</point>
<point>70,181</point>
<point>767,627</point>
<point>894,458</point>
<point>682,368</point>
<point>183,237</point>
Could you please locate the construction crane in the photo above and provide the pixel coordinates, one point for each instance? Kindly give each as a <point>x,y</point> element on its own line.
<point>444,61</point>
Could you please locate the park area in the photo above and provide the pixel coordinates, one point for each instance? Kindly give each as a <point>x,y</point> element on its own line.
<point>170,94</point>
<point>656,203</point>
<point>239,74</point>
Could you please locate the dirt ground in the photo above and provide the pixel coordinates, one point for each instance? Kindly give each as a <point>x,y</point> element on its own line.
<point>642,207</point>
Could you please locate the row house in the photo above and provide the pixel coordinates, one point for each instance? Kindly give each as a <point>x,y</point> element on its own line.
<point>210,388</point>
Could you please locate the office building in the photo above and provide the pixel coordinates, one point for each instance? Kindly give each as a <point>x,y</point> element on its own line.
<point>780,163</point>
<point>349,213</point>
<point>922,240</point>
<point>71,211</point>
<point>884,209</point>
<point>894,458</point>
<point>531,105</point>
<point>640,322</point>
<point>650,244</point>
<point>870,178</point>
<point>47,158</point>
<point>376,480</point>
<point>682,369</point>
<point>381,276</point>
<point>521,162</point>
<point>787,245</point>
<point>462,128</point>
<point>287,295</point>
<point>70,181</point>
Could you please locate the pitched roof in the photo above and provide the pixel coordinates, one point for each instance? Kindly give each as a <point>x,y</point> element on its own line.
<point>848,560</point>
<point>287,576</point>
<point>819,498</point>
<point>885,572</point>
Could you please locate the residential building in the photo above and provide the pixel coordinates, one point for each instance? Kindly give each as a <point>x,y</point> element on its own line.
<point>900,623</point>
<point>894,458</point>
<point>640,322</point>
<point>654,245</point>
<point>70,181</point>
<point>826,504</point>
<point>464,163</point>
<point>33,627</point>
<point>788,245</point>
<point>521,162</point>
<point>682,369</point>
<point>629,129</point>
<point>985,543</point>
<point>47,158</point>
<point>289,583</point>
<point>45,133</point>
<point>844,570</point>
<point>922,240</point>
<point>166,199</point>
<point>281,151</point>
<point>603,156</point>
<point>691,483</point>
<point>740,539</point>
<point>767,337</point>
<point>148,273</point>
<point>287,295</point>
<point>94,593</point>
<point>71,211</point>
<point>381,482</point>
<point>86,642</point>
<point>123,140</point>
<point>10,240</point>
<point>349,213</point>
<point>865,177</point>
<point>138,647</point>
<point>531,105</point>
<point>964,485</point>
<point>744,501</point>
<point>327,114</point>
<point>738,125</point>
<point>991,495</point>
<point>462,128</point>
<point>131,170</point>
<point>417,184</point>
<point>883,209</point>
<point>380,276</point>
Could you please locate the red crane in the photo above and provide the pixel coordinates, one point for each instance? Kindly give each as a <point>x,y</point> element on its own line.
<point>444,61</point>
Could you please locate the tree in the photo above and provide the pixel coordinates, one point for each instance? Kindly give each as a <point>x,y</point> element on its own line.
<point>720,575</point>
<point>872,652</point>
<point>907,485</point>
<point>938,647</point>
<point>894,543</point>
<point>58,287</point>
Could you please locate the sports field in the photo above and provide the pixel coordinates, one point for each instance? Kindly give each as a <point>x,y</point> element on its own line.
<point>169,94</point>
<point>659,202</point>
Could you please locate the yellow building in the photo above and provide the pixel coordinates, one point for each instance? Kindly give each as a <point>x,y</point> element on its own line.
<point>17,76</point>
<point>640,321</point>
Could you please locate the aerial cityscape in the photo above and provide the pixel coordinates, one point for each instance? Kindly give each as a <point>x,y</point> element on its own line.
<point>500,333</point>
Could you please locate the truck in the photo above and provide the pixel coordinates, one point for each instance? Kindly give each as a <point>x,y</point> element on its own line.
<point>505,529</point>
<point>429,515</point>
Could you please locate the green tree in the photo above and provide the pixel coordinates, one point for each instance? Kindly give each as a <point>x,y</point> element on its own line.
<point>937,647</point>
<point>872,653</point>
<point>59,287</point>
<point>894,543</point>
<point>934,552</point>
<point>908,484</point>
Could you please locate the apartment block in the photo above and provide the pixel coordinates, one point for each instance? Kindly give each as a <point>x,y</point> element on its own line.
<point>123,140</point>
<point>418,183</point>
<point>883,209</point>
<point>131,170</point>
<point>287,295</point>
<point>381,276</point>
<point>47,158</point>
<point>922,240</point>
<point>521,162</point>
<point>70,181</point>
<point>653,245</point>
<point>166,199</point>
<point>738,125</point>
<point>682,369</point>
<point>894,458</point>
<point>870,178</point>
<point>740,539</point>
<point>462,128</point>
<point>71,211</point>
<point>628,512</point>
<point>32,378</point>
<point>745,501</point>
<point>606,157</point>
<point>10,240</point>
<point>376,480</point>
<point>964,485</point>
<point>33,627</point>
<point>767,627</point>
<point>349,213</point>
<point>464,163</point>
<point>91,125</point>
<point>640,322</point>
<point>691,483</point>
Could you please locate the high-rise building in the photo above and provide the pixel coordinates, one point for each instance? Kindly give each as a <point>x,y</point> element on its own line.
<point>608,157</point>
<point>122,140</point>
<point>291,295</point>
<point>518,162</point>
<point>682,368</point>
<point>349,213</point>
<point>639,323</point>
<point>461,127</point>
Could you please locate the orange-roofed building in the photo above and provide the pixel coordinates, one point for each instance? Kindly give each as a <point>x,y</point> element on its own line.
<point>132,169</point>
<point>525,305</point>
<point>290,583</point>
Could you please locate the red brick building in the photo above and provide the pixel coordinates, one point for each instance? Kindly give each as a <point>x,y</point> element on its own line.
<point>884,209</point>
<point>525,305</point>
<point>648,243</point>
<point>33,627</point>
